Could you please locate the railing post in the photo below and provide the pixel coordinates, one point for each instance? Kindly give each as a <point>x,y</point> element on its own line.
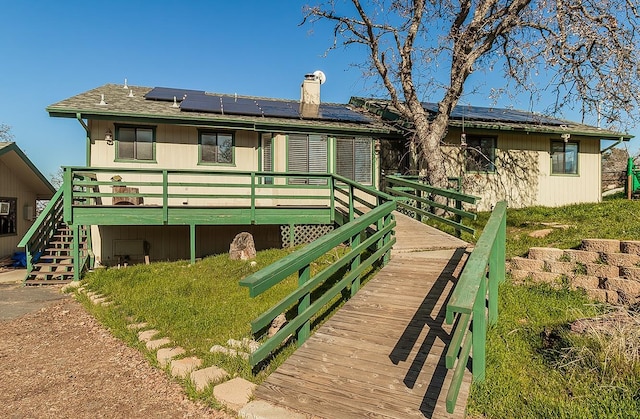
<point>479,332</point>
<point>165,196</point>
<point>351,206</point>
<point>192,243</point>
<point>332,196</point>
<point>27,250</point>
<point>75,228</point>
<point>253,197</point>
<point>67,196</point>
<point>355,284</point>
<point>304,275</point>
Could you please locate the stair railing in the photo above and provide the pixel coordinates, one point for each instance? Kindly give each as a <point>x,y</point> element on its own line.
<point>44,227</point>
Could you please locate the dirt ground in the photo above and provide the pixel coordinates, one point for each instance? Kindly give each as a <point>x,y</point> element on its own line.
<point>59,362</point>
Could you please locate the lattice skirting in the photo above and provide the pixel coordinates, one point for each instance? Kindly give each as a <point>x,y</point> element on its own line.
<point>303,233</point>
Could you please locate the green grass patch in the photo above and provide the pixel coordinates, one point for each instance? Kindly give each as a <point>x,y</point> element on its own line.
<point>198,306</point>
<point>537,368</point>
<point>610,219</point>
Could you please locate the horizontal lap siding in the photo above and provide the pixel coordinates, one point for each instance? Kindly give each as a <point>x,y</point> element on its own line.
<point>12,187</point>
<point>523,171</point>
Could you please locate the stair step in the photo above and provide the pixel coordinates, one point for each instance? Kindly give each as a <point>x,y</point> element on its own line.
<point>43,264</point>
<point>47,281</point>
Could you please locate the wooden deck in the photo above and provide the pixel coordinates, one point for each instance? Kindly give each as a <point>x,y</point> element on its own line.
<point>382,354</point>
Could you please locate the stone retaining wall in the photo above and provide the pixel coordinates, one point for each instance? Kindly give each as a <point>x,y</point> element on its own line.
<point>608,270</point>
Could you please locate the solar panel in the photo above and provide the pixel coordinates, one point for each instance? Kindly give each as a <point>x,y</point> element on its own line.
<point>495,114</point>
<point>200,101</point>
<point>341,113</point>
<point>279,109</point>
<point>240,106</point>
<point>168,93</point>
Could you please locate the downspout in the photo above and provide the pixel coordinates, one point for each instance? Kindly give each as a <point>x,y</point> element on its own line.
<point>88,139</point>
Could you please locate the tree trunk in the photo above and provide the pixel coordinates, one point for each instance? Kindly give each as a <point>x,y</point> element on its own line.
<point>429,136</point>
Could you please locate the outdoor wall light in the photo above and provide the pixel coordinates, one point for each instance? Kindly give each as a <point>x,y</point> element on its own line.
<point>108,136</point>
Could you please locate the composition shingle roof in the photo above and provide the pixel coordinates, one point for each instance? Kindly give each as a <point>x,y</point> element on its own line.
<point>114,101</point>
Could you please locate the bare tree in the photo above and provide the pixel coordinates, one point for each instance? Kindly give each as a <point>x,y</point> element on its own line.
<point>5,133</point>
<point>584,52</point>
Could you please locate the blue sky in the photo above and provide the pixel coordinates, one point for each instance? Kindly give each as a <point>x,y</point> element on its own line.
<point>52,50</point>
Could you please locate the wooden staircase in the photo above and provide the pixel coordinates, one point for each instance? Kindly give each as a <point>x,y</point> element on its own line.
<point>55,264</point>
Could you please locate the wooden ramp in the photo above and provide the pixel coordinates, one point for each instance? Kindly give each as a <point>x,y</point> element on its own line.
<point>382,354</point>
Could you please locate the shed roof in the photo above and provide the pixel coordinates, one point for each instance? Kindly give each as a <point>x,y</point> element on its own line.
<point>19,163</point>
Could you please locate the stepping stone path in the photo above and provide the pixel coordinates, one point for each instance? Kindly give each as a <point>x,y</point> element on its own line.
<point>234,394</point>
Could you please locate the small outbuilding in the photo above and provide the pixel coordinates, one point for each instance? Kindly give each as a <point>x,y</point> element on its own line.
<point>21,185</point>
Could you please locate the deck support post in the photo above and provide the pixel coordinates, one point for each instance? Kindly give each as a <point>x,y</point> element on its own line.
<point>292,235</point>
<point>75,228</point>
<point>192,243</point>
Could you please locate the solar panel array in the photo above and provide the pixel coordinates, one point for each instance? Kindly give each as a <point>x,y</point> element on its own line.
<point>479,113</point>
<point>200,101</point>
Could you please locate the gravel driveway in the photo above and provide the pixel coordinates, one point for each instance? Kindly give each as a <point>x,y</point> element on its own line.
<point>59,362</point>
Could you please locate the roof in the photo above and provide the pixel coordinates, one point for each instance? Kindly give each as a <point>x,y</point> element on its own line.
<point>156,105</point>
<point>19,163</point>
<point>501,119</point>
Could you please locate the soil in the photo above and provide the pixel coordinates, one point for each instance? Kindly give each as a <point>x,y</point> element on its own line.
<point>59,362</point>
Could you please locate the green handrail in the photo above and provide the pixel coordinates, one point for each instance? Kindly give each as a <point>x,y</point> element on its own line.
<point>416,196</point>
<point>475,291</point>
<point>370,232</point>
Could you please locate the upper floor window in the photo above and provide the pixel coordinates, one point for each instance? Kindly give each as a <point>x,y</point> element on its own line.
<point>564,158</point>
<point>481,154</point>
<point>8,216</point>
<point>216,147</point>
<point>135,143</point>
<point>354,158</point>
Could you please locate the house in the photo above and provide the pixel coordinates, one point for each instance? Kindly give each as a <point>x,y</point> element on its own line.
<point>21,185</point>
<point>171,173</point>
<point>504,154</point>
<point>177,173</point>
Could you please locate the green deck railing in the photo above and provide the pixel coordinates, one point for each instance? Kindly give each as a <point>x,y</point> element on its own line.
<point>369,235</point>
<point>474,303</point>
<point>160,192</point>
<point>421,199</point>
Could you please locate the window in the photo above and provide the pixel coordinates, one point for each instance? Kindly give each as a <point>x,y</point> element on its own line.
<point>481,154</point>
<point>135,143</point>
<point>353,159</point>
<point>8,217</point>
<point>307,154</point>
<point>216,147</point>
<point>267,157</point>
<point>564,158</point>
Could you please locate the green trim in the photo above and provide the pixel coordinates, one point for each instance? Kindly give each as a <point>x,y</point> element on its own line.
<point>118,159</point>
<point>281,125</point>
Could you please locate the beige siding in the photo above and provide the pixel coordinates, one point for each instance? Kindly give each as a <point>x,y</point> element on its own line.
<point>11,186</point>
<point>523,171</point>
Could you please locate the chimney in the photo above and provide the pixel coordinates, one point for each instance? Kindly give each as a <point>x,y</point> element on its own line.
<point>310,95</point>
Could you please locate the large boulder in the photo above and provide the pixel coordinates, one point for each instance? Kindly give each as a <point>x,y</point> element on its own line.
<point>242,247</point>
